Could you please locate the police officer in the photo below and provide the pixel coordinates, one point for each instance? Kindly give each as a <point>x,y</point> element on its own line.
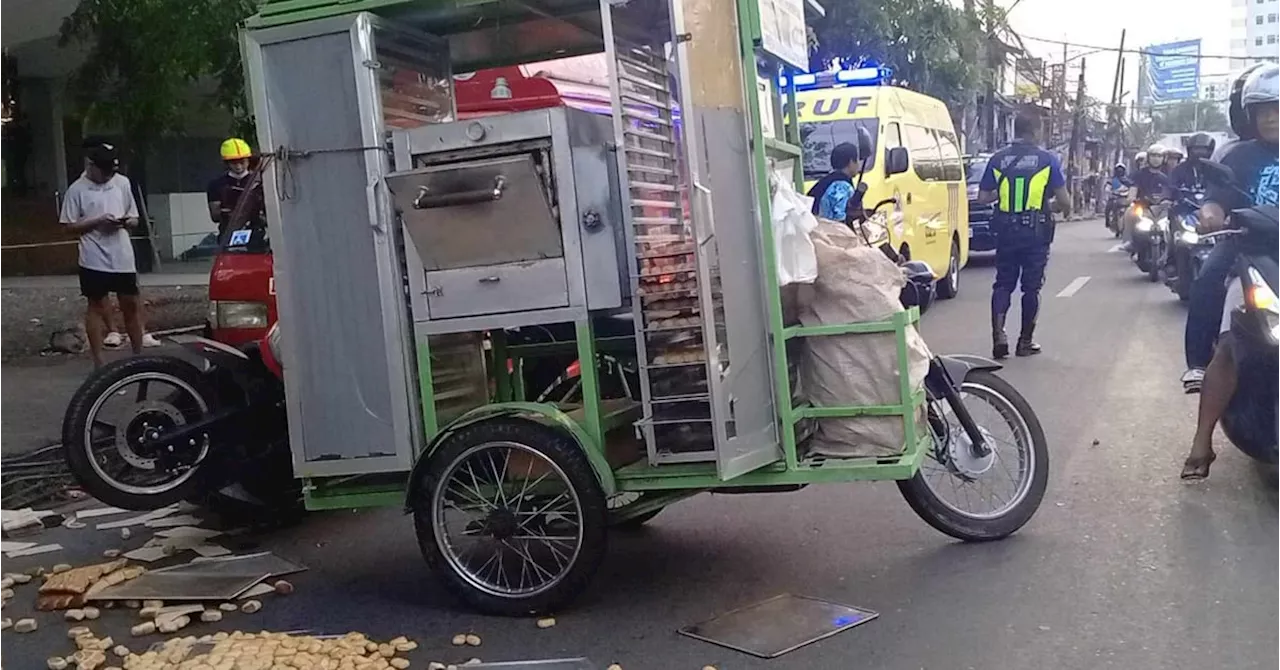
<point>1020,179</point>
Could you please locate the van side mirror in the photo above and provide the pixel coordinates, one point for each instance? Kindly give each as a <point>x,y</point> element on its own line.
<point>895,161</point>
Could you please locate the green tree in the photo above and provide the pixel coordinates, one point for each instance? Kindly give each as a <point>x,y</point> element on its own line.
<point>1189,116</point>
<point>922,41</point>
<point>146,59</point>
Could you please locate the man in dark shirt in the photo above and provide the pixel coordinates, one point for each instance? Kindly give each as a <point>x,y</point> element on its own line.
<point>1152,182</point>
<point>226,190</point>
<point>1188,174</point>
<point>1257,170</point>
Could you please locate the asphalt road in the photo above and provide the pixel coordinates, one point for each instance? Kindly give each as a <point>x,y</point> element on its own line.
<point>1124,566</point>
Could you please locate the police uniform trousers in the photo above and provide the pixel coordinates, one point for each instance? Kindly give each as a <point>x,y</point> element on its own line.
<point>1022,253</point>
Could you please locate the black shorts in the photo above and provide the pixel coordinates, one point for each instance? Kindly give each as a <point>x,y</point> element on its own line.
<point>96,284</point>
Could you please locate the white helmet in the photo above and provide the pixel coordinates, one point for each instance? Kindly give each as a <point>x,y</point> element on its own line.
<point>1140,158</point>
<point>1262,86</point>
<point>1157,150</point>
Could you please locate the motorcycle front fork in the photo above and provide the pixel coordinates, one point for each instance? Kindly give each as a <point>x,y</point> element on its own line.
<point>941,386</point>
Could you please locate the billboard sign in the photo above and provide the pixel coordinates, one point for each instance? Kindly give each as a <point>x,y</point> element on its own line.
<point>1172,72</point>
<point>1028,78</point>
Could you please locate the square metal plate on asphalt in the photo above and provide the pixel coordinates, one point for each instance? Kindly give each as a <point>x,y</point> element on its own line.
<point>778,625</point>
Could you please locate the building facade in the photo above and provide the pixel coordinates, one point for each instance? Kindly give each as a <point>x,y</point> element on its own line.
<point>1255,30</point>
<point>43,133</point>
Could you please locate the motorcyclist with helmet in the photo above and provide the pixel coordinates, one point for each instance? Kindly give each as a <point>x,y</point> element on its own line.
<point>1152,186</point>
<point>227,189</point>
<point>1117,197</point>
<point>1208,292</point>
<point>1212,370</point>
<point>1188,174</point>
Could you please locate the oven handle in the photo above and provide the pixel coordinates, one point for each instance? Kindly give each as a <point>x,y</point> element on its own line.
<point>426,201</point>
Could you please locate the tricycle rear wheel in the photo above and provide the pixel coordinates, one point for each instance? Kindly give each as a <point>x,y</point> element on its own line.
<point>511,517</point>
<point>952,454</point>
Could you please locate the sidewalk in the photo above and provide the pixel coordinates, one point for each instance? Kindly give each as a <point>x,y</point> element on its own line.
<point>72,281</point>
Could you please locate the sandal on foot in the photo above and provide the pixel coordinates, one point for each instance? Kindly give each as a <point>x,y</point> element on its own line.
<point>1197,468</point>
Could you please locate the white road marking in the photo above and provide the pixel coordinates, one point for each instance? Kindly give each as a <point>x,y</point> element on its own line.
<point>1074,287</point>
<point>1116,249</point>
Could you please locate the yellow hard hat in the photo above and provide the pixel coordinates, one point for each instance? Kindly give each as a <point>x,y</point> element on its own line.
<point>236,149</point>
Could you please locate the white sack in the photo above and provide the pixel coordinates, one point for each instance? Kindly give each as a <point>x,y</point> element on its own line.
<point>793,220</point>
<point>855,284</point>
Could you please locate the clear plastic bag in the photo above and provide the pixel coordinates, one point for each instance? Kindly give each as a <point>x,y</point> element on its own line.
<point>793,220</point>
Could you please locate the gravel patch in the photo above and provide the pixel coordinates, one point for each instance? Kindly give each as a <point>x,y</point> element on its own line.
<point>30,316</point>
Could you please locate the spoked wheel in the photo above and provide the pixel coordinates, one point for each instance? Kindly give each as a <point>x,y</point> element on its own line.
<point>511,517</point>
<point>976,498</point>
<point>113,432</point>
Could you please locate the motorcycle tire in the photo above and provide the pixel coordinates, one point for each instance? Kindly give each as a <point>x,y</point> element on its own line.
<point>1182,284</point>
<point>77,450</point>
<point>942,517</point>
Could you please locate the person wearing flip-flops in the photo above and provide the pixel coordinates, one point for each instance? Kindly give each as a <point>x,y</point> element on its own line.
<point>100,208</point>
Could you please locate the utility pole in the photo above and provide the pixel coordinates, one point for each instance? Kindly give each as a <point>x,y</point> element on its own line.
<point>1060,98</point>
<point>995,53</point>
<point>1073,149</point>
<point>1111,146</point>
<point>968,51</point>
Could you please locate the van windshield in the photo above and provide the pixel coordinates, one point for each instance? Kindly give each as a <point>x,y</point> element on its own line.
<point>818,138</point>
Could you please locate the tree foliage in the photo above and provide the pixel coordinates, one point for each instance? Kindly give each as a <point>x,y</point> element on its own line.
<point>922,41</point>
<point>1190,116</point>
<point>145,57</point>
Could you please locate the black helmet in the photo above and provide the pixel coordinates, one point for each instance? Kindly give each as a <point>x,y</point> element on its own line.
<point>1240,124</point>
<point>1200,145</point>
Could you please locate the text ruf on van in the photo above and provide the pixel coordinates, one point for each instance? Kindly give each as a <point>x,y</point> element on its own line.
<point>829,106</point>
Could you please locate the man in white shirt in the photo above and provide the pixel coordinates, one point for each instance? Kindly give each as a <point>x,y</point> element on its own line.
<point>100,208</point>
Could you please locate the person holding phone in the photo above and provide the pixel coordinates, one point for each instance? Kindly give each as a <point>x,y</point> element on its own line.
<point>100,208</point>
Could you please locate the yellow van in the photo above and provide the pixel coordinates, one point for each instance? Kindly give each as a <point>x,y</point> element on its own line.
<point>928,186</point>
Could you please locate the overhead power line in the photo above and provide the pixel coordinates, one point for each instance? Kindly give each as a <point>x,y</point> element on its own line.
<point>1146,52</point>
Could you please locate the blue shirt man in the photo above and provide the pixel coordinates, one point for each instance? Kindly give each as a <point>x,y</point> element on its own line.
<point>1020,179</point>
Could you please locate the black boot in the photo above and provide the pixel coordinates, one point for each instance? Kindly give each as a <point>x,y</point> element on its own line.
<point>1026,345</point>
<point>1030,311</point>
<point>999,343</point>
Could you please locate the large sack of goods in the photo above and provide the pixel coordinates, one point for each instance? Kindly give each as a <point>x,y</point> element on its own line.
<point>856,283</point>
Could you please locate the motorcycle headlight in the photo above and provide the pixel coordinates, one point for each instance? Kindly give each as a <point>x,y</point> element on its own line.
<point>1260,296</point>
<point>236,314</point>
<point>1144,225</point>
<point>1189,237</point>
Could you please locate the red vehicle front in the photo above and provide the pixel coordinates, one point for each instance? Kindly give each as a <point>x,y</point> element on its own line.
<point>242,290</point>
<point>242,293</point>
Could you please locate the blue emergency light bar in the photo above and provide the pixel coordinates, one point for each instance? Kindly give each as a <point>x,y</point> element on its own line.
<point>863,76</point>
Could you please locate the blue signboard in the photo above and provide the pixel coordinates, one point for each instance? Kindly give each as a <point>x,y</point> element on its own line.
<point>1172,71</point>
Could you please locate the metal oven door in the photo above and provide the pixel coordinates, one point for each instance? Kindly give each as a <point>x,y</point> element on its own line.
<point>487,231</point>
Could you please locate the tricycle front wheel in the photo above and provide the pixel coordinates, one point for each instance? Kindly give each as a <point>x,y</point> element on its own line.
<point>511,517</point>
<point>984,498</point>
